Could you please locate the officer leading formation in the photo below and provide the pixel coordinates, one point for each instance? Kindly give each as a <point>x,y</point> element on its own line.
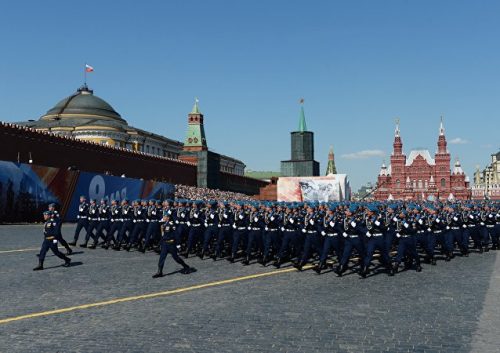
<point>320,234</point>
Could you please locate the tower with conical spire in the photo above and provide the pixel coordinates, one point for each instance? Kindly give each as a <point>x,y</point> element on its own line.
<point>302,162</point>
<point>330,168</point>
<point>195,137</point>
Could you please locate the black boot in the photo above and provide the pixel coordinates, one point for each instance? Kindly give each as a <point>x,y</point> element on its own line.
<point>265,260</point>
<point>364,271</point>
<point>93,246</point>
<point>69,251</point>
<point>277,263</point>
<point>395,267</point>
<point>433,261</point>
<point>246,262</point>
<point>419,268</point>
<point>187,270</point>
<point>67,262</point>
<point>339,270</point>
<point>299,265</point>
<point>72,243</point>
<point>40,266</point>
<point>391,270</point>
<point>83,245</point>
<point>319,267</point>
<point>158,274</point>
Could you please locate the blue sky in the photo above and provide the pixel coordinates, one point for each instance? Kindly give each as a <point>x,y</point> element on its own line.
<point>357,64</point>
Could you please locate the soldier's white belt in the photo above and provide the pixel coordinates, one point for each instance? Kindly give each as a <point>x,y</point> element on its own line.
<point>254,228</point>
<point>353,236</point>
<point>490,225</point>
<point>420,231</point>
<point>332,234</point>
<point>437,231</point>
<point>242,228</point>
<point>471,225</point>
<point>455,228</point>
<point>182,222</point>
<point>311,231</point>
<point>195,225</point>
<point>377,234</point>
<point>289,230</point>
<point>272,230</point>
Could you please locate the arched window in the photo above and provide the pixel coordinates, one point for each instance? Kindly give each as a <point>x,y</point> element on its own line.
<point>398,183</point>
<point>443,183</point>
<point>414,184</point>
<point>420,185</point>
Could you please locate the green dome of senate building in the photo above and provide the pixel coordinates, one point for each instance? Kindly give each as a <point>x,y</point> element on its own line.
<point>83,104</point>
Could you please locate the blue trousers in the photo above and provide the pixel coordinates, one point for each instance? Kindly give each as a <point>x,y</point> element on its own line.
<point>193,237</point>
<point>349,245</point>
<point>289,239</point>
<point>271,239</point>
<point>407,246</point>
<point>210,233</point>
<point>90,231</point>
<point>331,243</point>
<point>312,243</point>
<point>224,235</point>
<point>103,226</point>
<point>167,248</point>
<point>254,241</point>
<point>138,232</point>
<point>376,243</point>
<point>82,223</point>
<point>49,244</point>
<point>181,233</point>
<point>152,232</point>
<point>125,231</point>
<point>115,227</point>
<point>238,236</point>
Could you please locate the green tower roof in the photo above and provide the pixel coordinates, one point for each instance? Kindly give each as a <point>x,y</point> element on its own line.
<point>302,120</point>
<point>196,108</point>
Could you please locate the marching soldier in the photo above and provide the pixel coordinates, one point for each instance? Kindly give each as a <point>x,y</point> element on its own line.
<point>225,217</point>
<point>211,227</point>
<point>289,229</point>
<point>312,242</point>
<point>127,224</point>
<point>195,230</point>
<point>352,239</point>
<point>82,219</point>
<point>255,223</point>
<point>332,229</point>
<point>103,224</point>
<point>57,219</point>
<point>116,224</point>
<point>406,229</point>
<point>169,246</point>
<point>93,222</point>
<point>50,241</point>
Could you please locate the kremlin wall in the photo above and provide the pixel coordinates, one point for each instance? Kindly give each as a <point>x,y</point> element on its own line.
<point>83,132</point>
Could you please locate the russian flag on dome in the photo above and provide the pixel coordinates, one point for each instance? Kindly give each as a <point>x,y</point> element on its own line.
<point>88,68</point>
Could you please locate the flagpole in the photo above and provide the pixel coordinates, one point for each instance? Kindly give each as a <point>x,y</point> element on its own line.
<point>85,74</point>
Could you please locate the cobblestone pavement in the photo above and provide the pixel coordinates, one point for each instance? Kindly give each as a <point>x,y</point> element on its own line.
<point>451,307</point>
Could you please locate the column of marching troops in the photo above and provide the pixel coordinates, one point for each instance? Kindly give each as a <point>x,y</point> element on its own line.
<point>277,233</point>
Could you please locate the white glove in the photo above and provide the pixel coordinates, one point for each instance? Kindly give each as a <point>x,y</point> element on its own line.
<point>282,229</point>
<point>464,226</point>
<point>428,229</point>
<point>249,228</point>
<point>368,234</point>
<point>377,223</point>
<point>240,216</point>
<point>256,219</point>
<point>188,223</point>
<point>54,241</point>
<point>394,219</point>
<point>471,216</point>
<point>447,227</point>
<point>225,216</point>
<point>134,221</point>
<point>311,221</point>
<point>455,219</point>
<point>420,221</point>
<point>353,224</point>
<point>406,225</point>
<point>331,224</point>
<point>438,220</point>
<point>323,232</point>
<point>266,229</point>
<point>292,221</point>
<point>272,218</point>
<point>218,225</point>
<point>482,223</point>
<point>344,235</point>
<point>183,215</point>
<point>303,230</point>
<point>178,247</point>
<point>234,226</point>
<point>176,222</point>
<point>398,235</point>
<point>195,215</point>
<point>212,216</point>
<point>205,224</point>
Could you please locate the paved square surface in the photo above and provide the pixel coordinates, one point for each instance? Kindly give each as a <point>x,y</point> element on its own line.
<point>451,307</point>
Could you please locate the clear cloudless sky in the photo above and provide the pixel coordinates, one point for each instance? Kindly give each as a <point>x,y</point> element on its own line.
<point>357,64</point>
